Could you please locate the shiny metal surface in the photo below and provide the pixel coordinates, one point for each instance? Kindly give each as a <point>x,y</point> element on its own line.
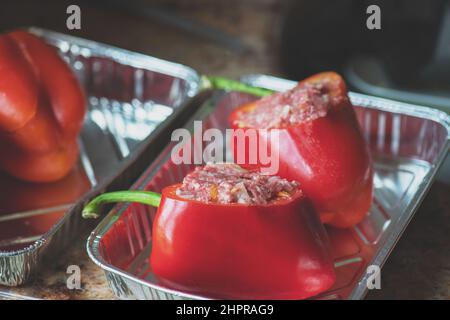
<point>133,101</point>
<point>408,145</point>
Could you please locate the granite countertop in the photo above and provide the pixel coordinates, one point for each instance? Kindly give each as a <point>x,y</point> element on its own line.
<point>418,268</point>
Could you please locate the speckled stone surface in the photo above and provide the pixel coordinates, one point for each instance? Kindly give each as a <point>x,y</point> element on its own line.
<point>51,282</point>
<point>419,267</point>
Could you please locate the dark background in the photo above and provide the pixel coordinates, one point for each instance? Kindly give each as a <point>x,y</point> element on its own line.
<point>306,36</point>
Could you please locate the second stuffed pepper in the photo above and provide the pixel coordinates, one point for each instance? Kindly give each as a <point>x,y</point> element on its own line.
<point>320,145</point>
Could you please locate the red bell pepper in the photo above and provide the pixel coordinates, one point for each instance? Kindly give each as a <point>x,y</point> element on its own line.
<point>277,250</point>
<point>326,154</point>
<point>42,108</point>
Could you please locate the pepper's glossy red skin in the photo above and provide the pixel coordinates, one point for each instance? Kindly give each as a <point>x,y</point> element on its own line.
<point>328,156</point>
<point>274,251</point>
<point>42,108</point>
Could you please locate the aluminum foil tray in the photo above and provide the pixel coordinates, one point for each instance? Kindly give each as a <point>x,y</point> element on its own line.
<point>133,101</point>
<point>408,145</point>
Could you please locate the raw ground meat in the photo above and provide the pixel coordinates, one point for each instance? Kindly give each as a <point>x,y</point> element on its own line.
<point>300,104</point>
<point>229,183</point>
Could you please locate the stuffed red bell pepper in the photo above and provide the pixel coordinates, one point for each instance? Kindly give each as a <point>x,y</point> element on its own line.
<point>226,232</point>
<point>42,107</point>
<point>320,145</point>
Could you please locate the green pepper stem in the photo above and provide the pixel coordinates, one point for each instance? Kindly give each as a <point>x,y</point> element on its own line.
<point>91,210</point>
<point>210,82</point>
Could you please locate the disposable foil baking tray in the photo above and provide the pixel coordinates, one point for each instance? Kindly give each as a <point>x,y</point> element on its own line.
<point>133,101</point>
<point>408,145</point>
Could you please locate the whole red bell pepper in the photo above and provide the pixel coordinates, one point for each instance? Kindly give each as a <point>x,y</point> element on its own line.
<point>277,250</point>
<point>327,153</point>
<point>42,108</point>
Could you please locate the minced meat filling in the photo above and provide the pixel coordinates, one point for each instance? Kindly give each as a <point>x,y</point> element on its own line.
<point>300,104</point>
<point>229,183</point>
